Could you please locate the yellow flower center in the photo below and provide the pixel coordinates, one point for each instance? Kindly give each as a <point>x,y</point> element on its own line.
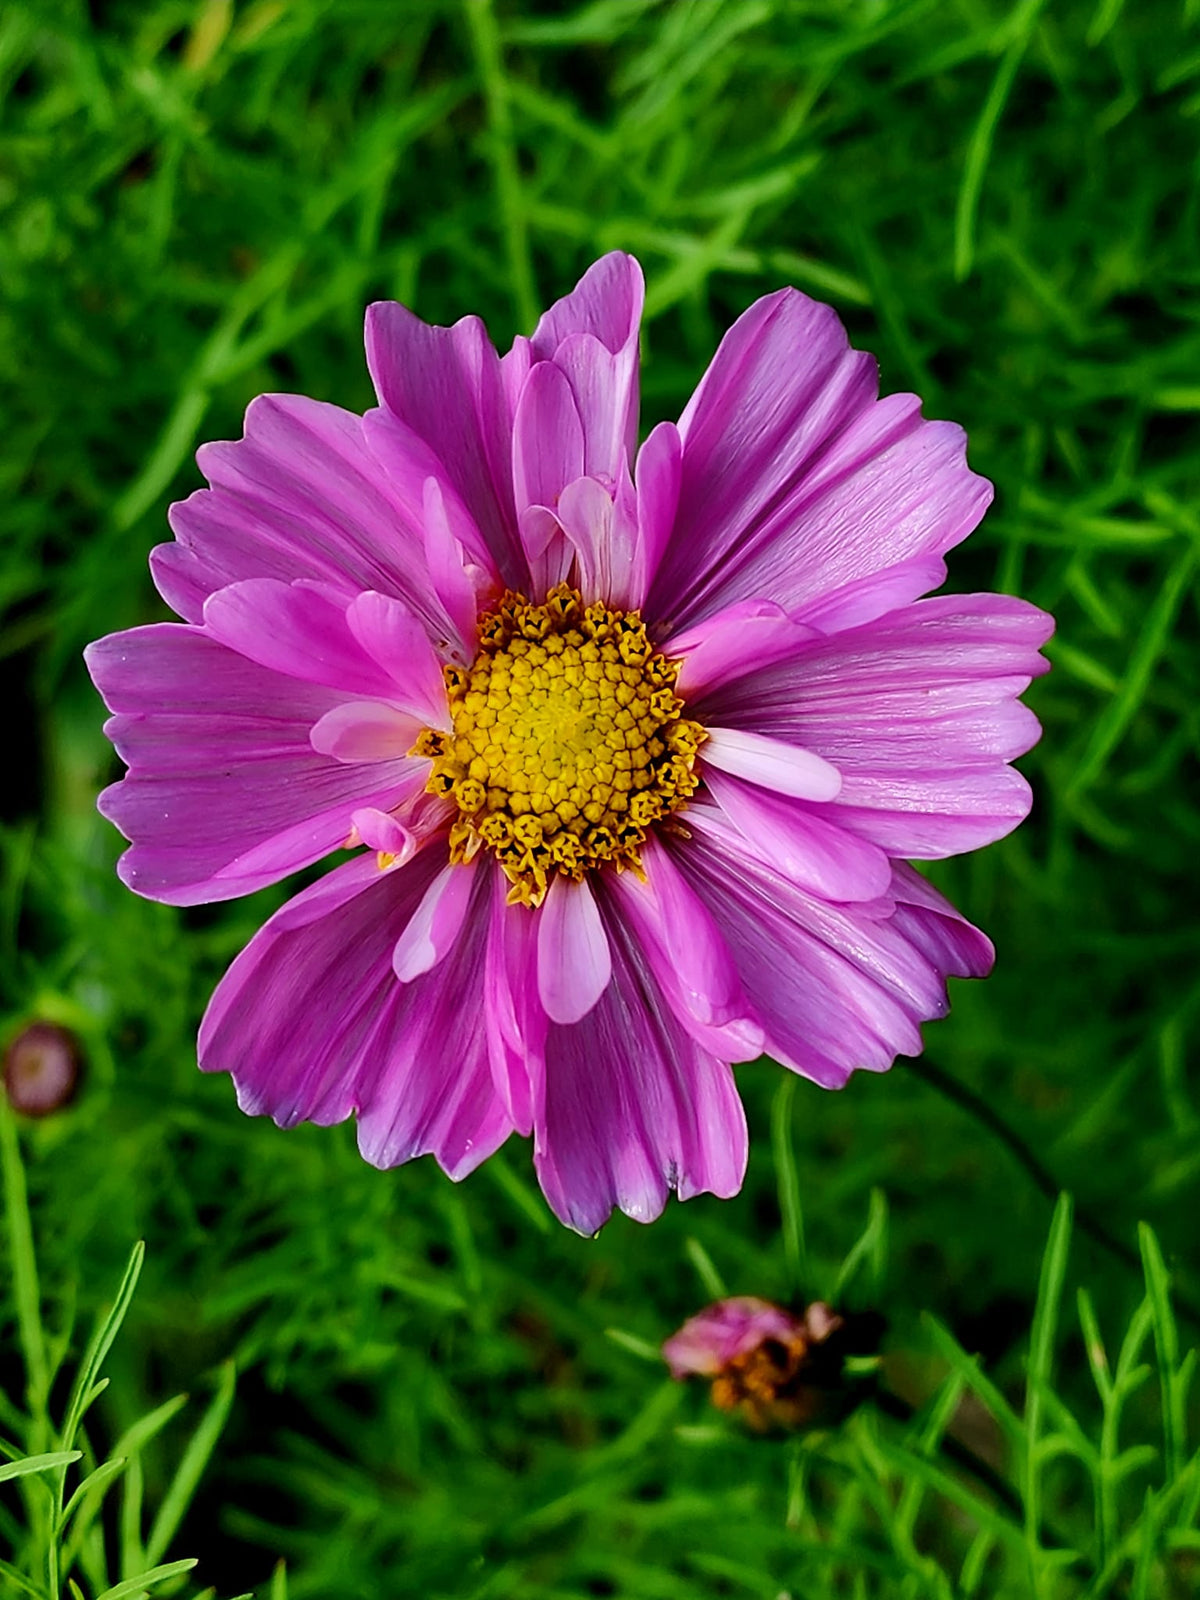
<point>569,741</point>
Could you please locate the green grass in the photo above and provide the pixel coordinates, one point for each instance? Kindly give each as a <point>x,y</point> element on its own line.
<point>400,1387</point>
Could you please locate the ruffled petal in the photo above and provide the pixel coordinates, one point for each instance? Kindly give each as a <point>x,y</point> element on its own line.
<point>300,496</point>
<point>919,713</point>
<point>313,1026</point>
<point>836,987</point>
<point>446,387</point>
<point>796,481</point>
<point>225,793</point>
<point>631,1107</point>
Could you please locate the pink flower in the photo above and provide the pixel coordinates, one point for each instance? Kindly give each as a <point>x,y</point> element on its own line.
<point>635,739</point>
<point>777,1369</point>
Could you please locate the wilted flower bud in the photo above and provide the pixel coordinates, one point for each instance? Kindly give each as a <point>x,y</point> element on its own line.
<point>41,1069</point>
<point>777,1368</point>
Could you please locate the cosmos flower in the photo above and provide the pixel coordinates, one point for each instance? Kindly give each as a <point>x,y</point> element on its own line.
<point>630,745</point>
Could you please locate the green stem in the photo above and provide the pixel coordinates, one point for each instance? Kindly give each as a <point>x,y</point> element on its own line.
<point>987,1117</point>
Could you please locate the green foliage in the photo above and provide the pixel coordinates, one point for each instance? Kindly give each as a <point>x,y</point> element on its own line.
<point>197,197</point>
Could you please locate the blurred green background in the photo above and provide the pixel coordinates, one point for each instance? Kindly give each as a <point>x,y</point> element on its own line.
<point>197,199</point>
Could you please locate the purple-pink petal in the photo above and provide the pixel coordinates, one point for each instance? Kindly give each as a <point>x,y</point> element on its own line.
<point>918,711</point>
<point>432,931</point>
<point>683,950</point>
<point>225,793</point>
<point>445,386</point>
<point>796,480</point>
<point>574,964</point>
<point>709,1341</point>
<point>300,496</point>
<point>837,987</point>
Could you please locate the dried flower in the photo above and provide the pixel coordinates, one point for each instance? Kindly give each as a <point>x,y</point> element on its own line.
<point>631,743</point>
<point>41,1069</point>
<point>777,1369</point>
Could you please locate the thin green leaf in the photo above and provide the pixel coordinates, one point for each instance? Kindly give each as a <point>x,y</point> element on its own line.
<point>43,1463</point>
<point>195,1458</point>
<point>147,1580</point>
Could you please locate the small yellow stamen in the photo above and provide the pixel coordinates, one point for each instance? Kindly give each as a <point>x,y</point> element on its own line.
<point>568,741</point>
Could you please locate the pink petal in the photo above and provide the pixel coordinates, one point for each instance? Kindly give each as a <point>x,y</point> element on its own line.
<point>808,848</point>
<point>394,639</point>
<point>606,303</point>
<point>445,386</point>
<point>299,497</point>
<point>742,638</point>
<point>225,793</point>
<point>591,335</point>
<point>313,1025</point>
<point>431,932</point>
<point>687,956</point>
<point>365,730</point>
<point>448,562</point>
<point>862,600</point>
<point>919,713</point>
<point>796,481</point>
<point>657,476</point>
<point>299,629</point>
<point>574,963</point>
<point>604,387</point>
<point>781,385</point>
<point>380,831</point>
<point>547,439</point>
<point>632,1108</point>
<point>784,768</point>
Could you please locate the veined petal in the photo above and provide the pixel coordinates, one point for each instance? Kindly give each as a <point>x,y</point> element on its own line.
<point>446,386</point>
<point>299,497</point>
<point>225,793</point>
<point>574,963</point>
<point>632,1107</point>
<point>918,711</point>
<point>772,764</point>
<point>516,1021</point>
<point>313,1026</point>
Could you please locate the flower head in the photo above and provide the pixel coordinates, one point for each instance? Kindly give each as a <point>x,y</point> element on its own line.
<point>630,745</point>
<point>775,1368</point>
<point>41,1069</point>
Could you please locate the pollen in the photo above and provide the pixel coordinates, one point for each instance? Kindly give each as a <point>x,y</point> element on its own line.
<point>569,742</point>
